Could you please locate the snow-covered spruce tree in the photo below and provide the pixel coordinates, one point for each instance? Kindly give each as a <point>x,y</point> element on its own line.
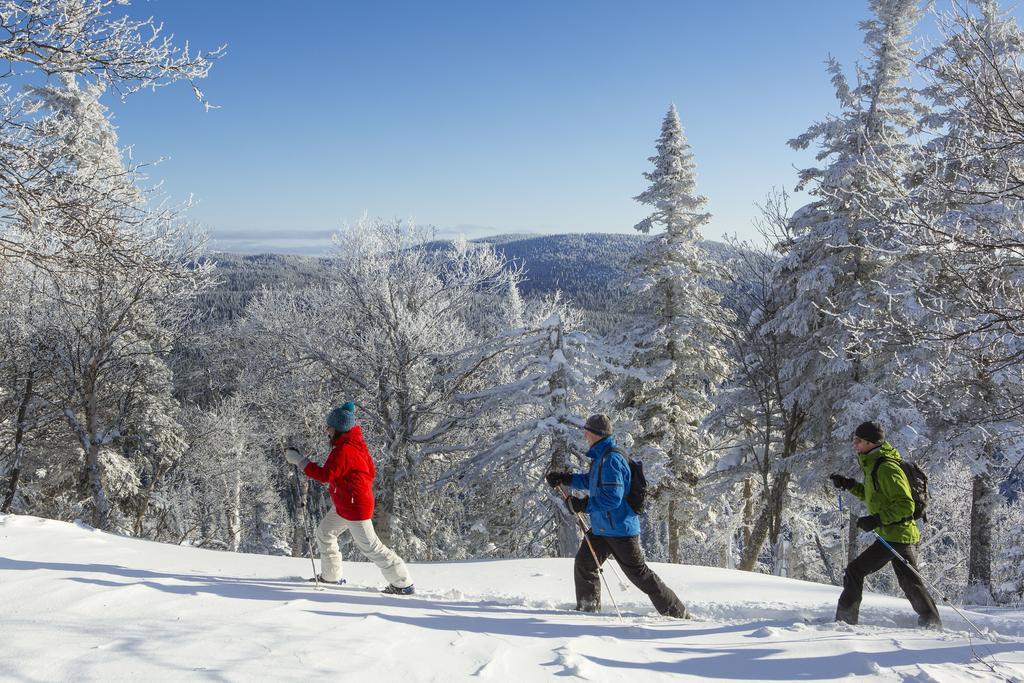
<point>43,199</point>
<point>957,286</point>
<point>835,252</point>
<point>555,373</point>
<point>686,334</point>
<point>112,315</point>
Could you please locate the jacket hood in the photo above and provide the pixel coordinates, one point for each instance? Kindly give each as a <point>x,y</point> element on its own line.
<point>884,450</point>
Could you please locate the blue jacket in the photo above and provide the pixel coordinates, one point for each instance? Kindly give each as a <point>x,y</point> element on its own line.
<point>607,484</point>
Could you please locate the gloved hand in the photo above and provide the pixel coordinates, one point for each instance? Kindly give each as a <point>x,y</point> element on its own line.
<point>869,522</point>
<point>841,482</point>
<point>292,455</point>
<point>559,478</point>
<point>577,504</point>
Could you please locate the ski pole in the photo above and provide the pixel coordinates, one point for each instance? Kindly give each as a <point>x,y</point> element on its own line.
<point>842,527</point>
<point>941,595</point>
<point>945,600</point>
<point>600,569</point>
<point>582,523</point>
<point>927,583</point>
<point>305,530</point>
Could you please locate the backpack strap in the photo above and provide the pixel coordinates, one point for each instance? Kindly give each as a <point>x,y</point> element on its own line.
<point>874,479</point>
<point>600,464</point>
<point>874,470</point>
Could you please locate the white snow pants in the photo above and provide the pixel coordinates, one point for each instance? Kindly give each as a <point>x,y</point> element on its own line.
<point>365,538</point>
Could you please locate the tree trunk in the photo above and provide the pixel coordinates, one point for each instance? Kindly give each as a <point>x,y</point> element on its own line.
<point>674,554</point>
<point>19,447</point>
<point>758,535</point>
<point>979,572</point>
<point>777,500</point>
<point>234,510</point>
<point>748,509</point>
<point>302,514</point>
<point>93,467</point>
<point>826,560</point>
<point>94,472</point>
<point>768,522</point>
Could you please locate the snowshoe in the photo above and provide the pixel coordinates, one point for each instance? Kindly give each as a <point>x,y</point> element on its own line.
<point>320,579</point>
<point>392,589</point>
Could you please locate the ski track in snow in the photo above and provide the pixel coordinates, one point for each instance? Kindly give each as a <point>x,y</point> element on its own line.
<point>77,604</point>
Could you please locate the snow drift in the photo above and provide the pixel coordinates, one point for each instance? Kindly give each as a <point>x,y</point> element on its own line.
<point>78,604</point>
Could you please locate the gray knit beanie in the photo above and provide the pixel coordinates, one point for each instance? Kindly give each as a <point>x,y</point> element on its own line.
<point>599,424</point>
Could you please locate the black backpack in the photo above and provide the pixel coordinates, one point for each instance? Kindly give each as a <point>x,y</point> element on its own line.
<point>637,494</point>
<point>918,481</point>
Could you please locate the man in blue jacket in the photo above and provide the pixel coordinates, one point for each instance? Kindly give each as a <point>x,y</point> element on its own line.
<point>614,527</point>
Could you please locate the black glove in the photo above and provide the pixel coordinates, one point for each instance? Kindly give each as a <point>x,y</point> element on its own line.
<point>577,504</point>
<point>557,478</point>
<point>841,482</point>
<point>869,523</point>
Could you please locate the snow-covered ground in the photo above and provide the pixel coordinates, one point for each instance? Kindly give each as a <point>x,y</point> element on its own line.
<point>77,604</point>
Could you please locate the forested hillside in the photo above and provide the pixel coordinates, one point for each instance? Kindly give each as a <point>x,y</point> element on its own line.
<point>591,269</point>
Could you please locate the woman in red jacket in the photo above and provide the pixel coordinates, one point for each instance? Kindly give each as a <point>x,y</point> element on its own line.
<point>349,472</point>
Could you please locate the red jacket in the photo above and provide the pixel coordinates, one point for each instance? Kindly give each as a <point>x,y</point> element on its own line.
<point>349,471</point>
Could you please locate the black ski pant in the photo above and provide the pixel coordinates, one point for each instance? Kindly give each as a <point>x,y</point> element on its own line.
<point>869,562</point>
<point>627,552</point>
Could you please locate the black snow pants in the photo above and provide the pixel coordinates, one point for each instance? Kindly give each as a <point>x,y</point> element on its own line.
<point>869,562</point>
<point>627,552</point>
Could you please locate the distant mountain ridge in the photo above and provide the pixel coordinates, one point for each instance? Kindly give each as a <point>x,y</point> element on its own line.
<point>590,268</point>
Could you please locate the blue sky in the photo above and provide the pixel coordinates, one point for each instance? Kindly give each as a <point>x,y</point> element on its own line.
<point>478,116</point>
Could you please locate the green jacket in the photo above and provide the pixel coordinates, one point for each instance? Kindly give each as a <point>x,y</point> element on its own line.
<point>891,501</point>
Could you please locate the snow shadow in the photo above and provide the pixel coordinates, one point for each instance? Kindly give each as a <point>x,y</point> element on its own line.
<point>773,664</point>
<point>438,614</point>
<point>525,626</point>
<point>241,588</point>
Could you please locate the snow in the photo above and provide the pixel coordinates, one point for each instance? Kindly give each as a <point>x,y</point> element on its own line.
<point>78,604</point>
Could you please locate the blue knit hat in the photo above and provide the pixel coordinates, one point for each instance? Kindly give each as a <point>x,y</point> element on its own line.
<point>343,418</point>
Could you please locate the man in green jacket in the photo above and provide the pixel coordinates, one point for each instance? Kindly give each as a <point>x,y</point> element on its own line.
<point>886,493</point>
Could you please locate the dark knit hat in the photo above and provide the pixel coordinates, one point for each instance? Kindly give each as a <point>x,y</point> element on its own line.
<point>870,431</point>
<point>599,424</point>
<point>343,418</point>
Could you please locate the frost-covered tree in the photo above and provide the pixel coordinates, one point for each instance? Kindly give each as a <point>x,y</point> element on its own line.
<point>836,250</point>
<point>388,333</point>
<point>956,290</point>
<point>43,197</point>
<point>684,341</point>
<point>24,375</point>
<point>758,429</point>
<point>556,370</point>
<point>223,491</point>
<point>111,320</point>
